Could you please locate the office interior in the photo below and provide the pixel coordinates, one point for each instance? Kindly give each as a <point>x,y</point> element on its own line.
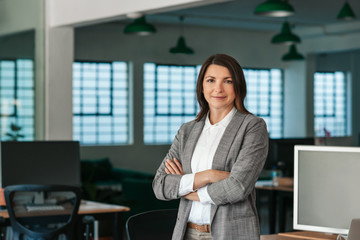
<point>55,33</point>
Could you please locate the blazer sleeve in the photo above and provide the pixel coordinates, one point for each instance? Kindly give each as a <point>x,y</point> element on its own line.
<point>166,186</point>
<point>253,144</point>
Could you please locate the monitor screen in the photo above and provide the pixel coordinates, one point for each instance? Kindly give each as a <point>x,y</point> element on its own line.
<point>326,188</point>
<point>40,162</point>
<point>281,154</point>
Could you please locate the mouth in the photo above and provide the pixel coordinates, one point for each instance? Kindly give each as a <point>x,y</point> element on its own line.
<point>219,97</point>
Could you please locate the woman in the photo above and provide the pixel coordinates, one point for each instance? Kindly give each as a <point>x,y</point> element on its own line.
<point>215,160</point>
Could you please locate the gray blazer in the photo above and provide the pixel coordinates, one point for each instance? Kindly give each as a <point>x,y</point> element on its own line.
<point>242,151</point>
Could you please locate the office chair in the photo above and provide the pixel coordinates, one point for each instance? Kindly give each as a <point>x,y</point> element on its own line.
<point>152,225</point>
<point>42,211</point>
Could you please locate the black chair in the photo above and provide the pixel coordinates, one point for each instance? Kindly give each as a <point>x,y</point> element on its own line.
<point>152,225</point>
<point>42,211</point>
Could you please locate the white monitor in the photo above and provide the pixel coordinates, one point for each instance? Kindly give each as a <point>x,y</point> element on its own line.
<point>326,188</point>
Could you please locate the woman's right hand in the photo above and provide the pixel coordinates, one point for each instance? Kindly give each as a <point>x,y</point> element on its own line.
<point>173,167</point>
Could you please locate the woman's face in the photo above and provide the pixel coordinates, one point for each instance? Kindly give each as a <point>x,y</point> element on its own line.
<point>218,88</point>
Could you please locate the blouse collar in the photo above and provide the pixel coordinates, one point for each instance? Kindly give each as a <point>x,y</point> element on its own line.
<point>224,122</point>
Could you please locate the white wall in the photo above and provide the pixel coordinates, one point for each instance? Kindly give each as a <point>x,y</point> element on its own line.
<point>19,15</point>
<point>83,12</point>
<point>295,100</point>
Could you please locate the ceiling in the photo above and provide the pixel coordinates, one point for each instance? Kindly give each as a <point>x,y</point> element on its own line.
<point>239,14</point>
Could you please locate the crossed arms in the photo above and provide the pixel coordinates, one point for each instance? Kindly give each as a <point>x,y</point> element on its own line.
<point>201,179</point>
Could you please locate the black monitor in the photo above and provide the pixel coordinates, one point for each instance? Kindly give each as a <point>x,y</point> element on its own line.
<point>40,162</point>
<point>281,153</point>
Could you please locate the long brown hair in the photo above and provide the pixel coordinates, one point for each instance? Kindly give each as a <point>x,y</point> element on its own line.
<point>237,76</point>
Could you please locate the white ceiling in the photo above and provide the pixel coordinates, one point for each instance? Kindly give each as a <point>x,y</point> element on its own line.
<point>239,14</point>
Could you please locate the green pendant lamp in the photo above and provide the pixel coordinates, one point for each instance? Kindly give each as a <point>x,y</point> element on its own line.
<point>285,36</point>
<point>181,46</point>
<point>274,8</point>
<point>139,27</point>
<point>346,13</point>
<point>292,55</point>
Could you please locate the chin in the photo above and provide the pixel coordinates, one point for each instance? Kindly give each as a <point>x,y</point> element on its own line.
<point>220,107</point>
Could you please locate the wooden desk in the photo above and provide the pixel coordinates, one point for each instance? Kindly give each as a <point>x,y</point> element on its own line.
<point>276,195</point>
<point>301,235</point>
<point>97,210</point>
<point>88,207</point>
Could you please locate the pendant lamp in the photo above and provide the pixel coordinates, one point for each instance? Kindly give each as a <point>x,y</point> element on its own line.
<point>181,46</point>
<point>292,55</point>
<point>274,8</point>
<point>285,36</point>
<point>346,13</point>
<point>139,27</point>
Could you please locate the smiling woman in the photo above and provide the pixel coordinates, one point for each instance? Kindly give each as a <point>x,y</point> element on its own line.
<point>218,91</point>
<point>215,160</point>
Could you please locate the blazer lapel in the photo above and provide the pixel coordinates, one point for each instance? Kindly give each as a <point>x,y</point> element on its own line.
<point>224,147</point>
<point>191,143</point>
<point>226,140</point>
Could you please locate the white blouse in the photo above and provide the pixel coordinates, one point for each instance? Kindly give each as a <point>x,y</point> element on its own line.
<point>202,160</point>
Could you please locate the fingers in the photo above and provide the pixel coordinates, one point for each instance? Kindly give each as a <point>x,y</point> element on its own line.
<point>178,164</point>
<point>173,168</point>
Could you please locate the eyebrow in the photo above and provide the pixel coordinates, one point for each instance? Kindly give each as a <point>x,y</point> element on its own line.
<point>214,77</point>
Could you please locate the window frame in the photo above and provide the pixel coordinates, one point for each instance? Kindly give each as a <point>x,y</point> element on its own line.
<point>326,131</point>
<point>169,115</point>
<point>15,116</point>
<point>282,79</point>
<point>111,113</point>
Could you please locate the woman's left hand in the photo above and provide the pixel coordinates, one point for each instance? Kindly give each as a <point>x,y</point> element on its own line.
<point>173,167</point>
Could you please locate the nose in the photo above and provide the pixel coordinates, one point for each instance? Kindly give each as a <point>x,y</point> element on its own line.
<point>219,86</point>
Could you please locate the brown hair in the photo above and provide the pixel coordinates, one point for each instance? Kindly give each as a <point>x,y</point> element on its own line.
<point>237,76</point>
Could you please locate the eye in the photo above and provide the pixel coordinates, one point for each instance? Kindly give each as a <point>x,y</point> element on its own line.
<point>210,80</point>
<point>229,81</point>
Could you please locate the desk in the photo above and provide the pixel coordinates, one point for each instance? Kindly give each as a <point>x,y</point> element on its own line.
<point>301,235</point>
<point>275,194</point>
<point>97,210</point>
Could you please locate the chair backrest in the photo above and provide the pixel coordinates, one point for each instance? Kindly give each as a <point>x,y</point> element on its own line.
<point>152,225</point>
<point>42,211</point>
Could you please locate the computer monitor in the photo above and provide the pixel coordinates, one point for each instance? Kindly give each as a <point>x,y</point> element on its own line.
<point>281,154</point>
<point>326,188</point>
<point>40,162</point>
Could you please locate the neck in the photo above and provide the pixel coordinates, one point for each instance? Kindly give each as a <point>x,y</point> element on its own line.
<point>216,115</point>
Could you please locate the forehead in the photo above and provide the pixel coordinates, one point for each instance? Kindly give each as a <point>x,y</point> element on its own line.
<point>217,70</point>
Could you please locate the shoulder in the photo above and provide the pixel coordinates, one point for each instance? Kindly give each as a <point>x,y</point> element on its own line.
<point>249,121</point>
<point>188,126</point>
<point>249,118</point>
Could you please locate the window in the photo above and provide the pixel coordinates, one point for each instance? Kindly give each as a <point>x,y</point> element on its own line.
<point>101,102</point>
<point>265,97</point>
<point>17,98</point>
<point>169,100</point>
<point>330,104</point>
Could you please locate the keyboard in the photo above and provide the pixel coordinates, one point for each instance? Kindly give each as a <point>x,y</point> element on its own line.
<point>32,208</point>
